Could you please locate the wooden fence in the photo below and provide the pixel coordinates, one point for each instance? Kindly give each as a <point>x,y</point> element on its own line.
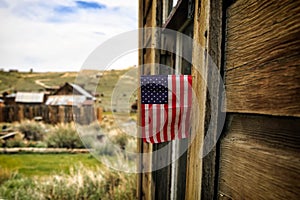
<point>50,114</point>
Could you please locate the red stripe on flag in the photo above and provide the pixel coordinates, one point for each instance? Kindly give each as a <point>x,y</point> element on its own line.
<point>188,117</point>
<point>166,108</point>
<point>143,123</point>
<point>181,82</point>
<point>151,118</point>
<point>173,107</point>
<point>158,125</point>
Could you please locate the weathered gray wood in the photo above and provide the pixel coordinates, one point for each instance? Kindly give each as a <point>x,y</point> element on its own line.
<point>140,71</point>
<point>161,177</point>
<point>199,71</point>
<point>178,16</point>
<point>263,57</point>
<point>147,5</point>
<point>260,158</point>
<point>214,38</point>
<point>146,56</point>
<point>182,165</point>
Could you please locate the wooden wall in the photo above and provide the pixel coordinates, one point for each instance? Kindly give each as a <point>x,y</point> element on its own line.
<point>262,57</point>
<point>259,152</point>
<point>255,46</point>
<point>49,114</point>
<point>260,158</point>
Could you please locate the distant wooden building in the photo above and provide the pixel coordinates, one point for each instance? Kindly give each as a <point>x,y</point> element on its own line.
<point>9,99</point>
<point>255,46</point>
<point>69,102</point>
<point>72,100</point>
<point>24,98</point>
<point>73,89</point>
<point>30,98</point>
<point>71,95</point>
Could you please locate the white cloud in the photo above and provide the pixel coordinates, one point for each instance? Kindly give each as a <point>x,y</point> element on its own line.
<point>34,34</point>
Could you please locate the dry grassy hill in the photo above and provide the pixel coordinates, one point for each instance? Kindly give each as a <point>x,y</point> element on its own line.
<point>103,81</point>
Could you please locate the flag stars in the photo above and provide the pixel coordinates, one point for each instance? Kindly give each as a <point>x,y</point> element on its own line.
<point>154,89</point>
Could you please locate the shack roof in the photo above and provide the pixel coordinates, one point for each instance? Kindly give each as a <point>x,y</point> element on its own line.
<point>81,90</point>
<point>13,95</point>
<point>73,89</point>
<point>65,100</point>
<point>29,97</point>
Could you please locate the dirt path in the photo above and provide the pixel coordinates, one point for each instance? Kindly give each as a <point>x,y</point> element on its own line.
<point>40,83</point>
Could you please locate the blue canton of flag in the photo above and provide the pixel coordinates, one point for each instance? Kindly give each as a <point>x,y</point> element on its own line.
<point>154,89</point>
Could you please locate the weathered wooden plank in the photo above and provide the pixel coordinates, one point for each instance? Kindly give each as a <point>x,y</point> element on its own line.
<point>147,186</point>
<point>194,155</point>
<point>214,37</point>
<point>21,113</point>
<point>147,5</point>
<point>140,71</point>
<point>147,56</point>
<point>260,158</point>
<point>61,114</point>
<point>148,19</point>
<point>161,177</point>
<point>2,114</point>
<point>182,165</point>
<point>178,16</point>
<point>263,57</point>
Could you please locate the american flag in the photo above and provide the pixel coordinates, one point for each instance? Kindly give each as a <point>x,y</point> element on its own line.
<point>165,107</point>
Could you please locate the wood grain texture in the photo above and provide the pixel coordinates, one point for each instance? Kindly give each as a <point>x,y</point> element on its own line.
<point>145,179</point>
<point>260,158</point>
<point>263,57</point>
<point>214,37</point>
<point>182,165</point>
<point>147,5</point>
<point>194,155</point>
<point>139,183</point>
<point>162,176</point>
<point>154,184</point>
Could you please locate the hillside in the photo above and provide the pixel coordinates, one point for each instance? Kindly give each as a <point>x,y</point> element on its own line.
<point>103,81</point>
<point>21,81</point>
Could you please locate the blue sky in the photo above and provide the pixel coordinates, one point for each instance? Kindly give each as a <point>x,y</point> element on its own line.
<point>58,35</point>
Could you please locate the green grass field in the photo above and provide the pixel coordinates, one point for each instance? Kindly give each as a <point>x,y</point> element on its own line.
<point>45,164</point>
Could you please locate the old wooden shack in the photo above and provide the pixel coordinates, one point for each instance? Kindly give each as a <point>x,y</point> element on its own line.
<point>255,46</point>
<point>68,103</point>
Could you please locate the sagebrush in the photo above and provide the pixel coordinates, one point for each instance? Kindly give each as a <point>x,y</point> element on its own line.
<point>81,183</point>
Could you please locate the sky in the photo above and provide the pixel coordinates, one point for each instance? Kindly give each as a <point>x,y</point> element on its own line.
<point>59,35</point>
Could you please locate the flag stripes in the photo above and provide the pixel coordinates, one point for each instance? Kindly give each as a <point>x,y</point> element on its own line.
<point>166,122</point>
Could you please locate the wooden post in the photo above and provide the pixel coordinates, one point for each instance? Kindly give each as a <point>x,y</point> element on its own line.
<point>46,113</point>
<point>194,160</point>
<point>11,114</point>
<point>61,114</point>
<point>82,116</point>
<point>1,114</point>
<point>21,113</point>
<point>99,114</point>
<point>53,114</point>
<point>30,112</point>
